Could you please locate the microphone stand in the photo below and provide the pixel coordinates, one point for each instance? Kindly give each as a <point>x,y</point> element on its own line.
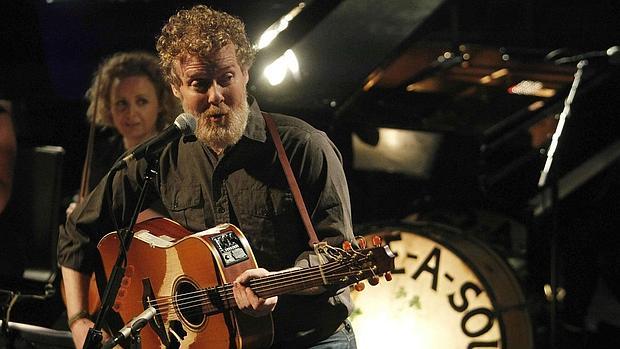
<point>94,337</point>
<point>133,334</point>
<point>551,188</point>
<point>136,340</point>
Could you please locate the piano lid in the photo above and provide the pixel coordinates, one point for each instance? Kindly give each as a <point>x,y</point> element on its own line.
<point>332,60</point>
<point>324,67</point>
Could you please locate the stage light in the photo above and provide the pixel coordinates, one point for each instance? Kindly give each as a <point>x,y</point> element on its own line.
<point>372,79</point>
<point>276,72</point>
<point>499,73</point>
<point>535,106</point>
<point>531,88</point>
<point>272,32</point>
<point>486,79</point>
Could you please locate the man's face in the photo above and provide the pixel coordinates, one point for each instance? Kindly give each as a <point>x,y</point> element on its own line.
<point>213,90</point>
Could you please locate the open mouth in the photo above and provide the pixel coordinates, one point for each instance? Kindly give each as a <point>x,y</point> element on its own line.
<point>215,117</point>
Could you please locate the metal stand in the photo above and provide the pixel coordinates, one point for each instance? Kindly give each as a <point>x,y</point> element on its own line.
<point>550,188</point>
<point>132,330</point>
<point>94,337</point>
<point>136,341</point>
<point>6,314</point>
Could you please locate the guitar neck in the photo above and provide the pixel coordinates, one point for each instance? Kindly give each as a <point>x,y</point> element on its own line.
<point>221,298</point>
<point>287,282</point>
<point>344,271</point>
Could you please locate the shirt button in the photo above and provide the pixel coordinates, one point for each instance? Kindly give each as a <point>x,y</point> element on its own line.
<point>220,210</point>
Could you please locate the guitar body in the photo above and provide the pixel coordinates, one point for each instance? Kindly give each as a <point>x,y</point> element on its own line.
<point>165,262</point>
<point>187,278</point>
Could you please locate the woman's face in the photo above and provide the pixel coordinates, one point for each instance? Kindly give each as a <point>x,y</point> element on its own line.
<point>134,106</point>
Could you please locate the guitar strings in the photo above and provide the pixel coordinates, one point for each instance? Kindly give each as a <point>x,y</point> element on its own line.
<point>197,300</point>
<point>226,295</point>
<point>268,280</point>
<point>283,276</point>
<point>197,307</point>
<point>256,285</point>
<point>292,273</point>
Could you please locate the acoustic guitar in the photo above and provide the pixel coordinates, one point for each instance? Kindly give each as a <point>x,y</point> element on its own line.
<point>187,279</point>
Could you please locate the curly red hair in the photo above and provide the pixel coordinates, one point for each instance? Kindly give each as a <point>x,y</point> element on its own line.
<point>201,31</point>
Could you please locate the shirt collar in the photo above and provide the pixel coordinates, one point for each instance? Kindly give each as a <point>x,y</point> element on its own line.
<point>255,129</point>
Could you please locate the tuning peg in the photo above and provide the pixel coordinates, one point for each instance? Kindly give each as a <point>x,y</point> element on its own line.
<point>346,245</point>
<point>361,242</point>
<point>388,276</point>
<point>373,281</point>
<point>359,287</point>
<point>376,240</point>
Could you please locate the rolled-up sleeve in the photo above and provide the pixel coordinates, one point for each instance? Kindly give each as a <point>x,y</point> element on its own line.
<point>322,172</point>
<point>95,216</point>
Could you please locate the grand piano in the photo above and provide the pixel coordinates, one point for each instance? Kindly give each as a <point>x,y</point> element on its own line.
<point>474,116</point>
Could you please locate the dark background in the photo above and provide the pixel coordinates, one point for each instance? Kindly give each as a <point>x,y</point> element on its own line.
<point>50,49</point>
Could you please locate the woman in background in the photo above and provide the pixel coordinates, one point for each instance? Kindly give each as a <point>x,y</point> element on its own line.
<point>131,102</point>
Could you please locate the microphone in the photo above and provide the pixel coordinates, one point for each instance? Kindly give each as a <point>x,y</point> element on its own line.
<point>613,51</point>
<point>135,325</point>
<point>184,125</point>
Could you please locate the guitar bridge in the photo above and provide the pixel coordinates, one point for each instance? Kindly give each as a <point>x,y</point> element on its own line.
<point>157,323</point>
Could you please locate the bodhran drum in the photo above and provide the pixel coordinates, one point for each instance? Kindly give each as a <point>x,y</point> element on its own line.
<point>448,291</point>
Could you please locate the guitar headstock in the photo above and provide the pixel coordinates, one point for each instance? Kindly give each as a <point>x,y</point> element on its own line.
<point>351,266</point>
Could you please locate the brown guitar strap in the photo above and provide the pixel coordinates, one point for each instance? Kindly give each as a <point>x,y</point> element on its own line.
<point>290,178</point>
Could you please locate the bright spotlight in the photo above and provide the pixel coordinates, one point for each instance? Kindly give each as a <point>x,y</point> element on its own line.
<point>276,72</point>
<point>272,32</point>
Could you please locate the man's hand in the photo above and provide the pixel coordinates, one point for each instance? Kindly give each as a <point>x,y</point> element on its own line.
<point>70,209</point>
<point>79,331</point>
<point>76,299</point>
<point>247,300</point>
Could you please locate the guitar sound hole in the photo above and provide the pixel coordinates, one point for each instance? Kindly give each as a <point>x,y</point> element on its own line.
<point>189,303</point>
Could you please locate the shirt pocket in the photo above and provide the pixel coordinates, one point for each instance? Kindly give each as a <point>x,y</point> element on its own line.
<point>185,204</point>
<point>283,202</point>
<point>269,204</point>
<point>289,232</point>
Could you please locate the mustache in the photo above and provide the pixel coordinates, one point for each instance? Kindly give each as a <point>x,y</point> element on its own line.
<point>213,111</point>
